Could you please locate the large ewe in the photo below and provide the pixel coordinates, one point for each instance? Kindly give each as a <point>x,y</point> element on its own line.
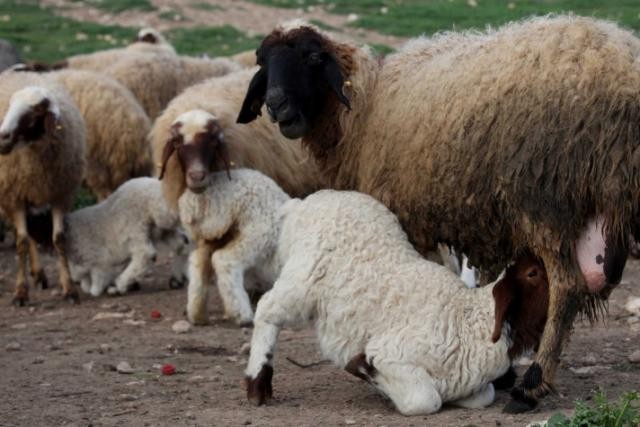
<point>115,241</point>
<point>402,323</point>
<point>256,146</point>
<point>520,138</point>
<point>42,159</point>
<point>117,128</point>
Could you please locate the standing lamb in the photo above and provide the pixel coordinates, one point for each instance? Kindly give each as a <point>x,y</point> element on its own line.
<point>231,216</point>
<point>406,325</point>
<point>521,138</point>
<point>117,238</point>
<point>257,146</point>
<point>42,159</point>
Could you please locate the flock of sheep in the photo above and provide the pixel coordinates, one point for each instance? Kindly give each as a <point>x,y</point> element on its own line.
<point>519,147</point>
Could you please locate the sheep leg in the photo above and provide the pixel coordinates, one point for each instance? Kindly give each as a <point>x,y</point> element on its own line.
<point>230,281</point>
<point>37,273</point>
<point>21,295</point>
<point>99,282</point>
<point>564,303</point>
<point>200,272</point>
<point>411,389</point>
<point>177,244</point>
<point>481,399</point>
<point>85,284</point>
<point>68,289</point>
<point>284,305</point>
<point>142,258</point>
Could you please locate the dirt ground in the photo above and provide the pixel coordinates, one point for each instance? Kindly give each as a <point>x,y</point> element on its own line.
<point>58,366</point>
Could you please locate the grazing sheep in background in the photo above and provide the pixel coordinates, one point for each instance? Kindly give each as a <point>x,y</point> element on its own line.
<point>117,238</point>
<point>232,217</point>
<point>117,128</point>
<point>257,146</point>
<point>521,138</point>
<point>406,325</point>
<point>42,159</point>
<point>156,79</point>
<point>8,55</point>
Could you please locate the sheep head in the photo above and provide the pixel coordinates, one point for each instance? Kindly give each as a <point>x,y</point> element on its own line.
<point>298,76</point>
<point>151,36</point>
<point>522,299</point>
<point>198,141</point>
<point>31,115</point>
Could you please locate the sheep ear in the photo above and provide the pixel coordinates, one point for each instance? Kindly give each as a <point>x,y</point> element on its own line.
<point>167,151</point>
<point>254,99</point>
<point>503,295</point>
<point>333,76</point>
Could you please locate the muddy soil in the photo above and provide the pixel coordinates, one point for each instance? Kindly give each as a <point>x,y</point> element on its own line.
<point>58,366</point>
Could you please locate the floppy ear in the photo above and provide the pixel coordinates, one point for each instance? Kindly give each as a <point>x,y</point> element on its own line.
<point>254,99</point>
<point>167,151</point>
<point>503,295</point>
<point>333,76</point>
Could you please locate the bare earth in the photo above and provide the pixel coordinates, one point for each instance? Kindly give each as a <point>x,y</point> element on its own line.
<point>58,366</point>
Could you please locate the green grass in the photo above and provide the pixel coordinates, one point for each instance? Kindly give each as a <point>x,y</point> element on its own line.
<point>206,6</point>
<point>214,41</point>
<point>172,15</point>
<point>601,413</point>
<point>413,17</point>
<point>117,6</point>
<point>41,35</point>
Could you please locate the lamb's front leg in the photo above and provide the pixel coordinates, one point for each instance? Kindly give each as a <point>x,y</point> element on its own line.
<point>68,289</point>
<point>142,257</point>
<point>21,295</point>
<point>229,272</point>
<point>200,272</point>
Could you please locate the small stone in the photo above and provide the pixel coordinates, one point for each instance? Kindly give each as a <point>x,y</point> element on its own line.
<point>13,346</point>
<point>19,326</point>
<point>124,368</point>
<point>133,322</point>
<point>584,372</point>
<point>104,348</point>
<point>232,359</point>
<point>635,357</point>
<point>128,397</point>
<point>108,316</point>
<point>38,360</point>
<point>52,347</point>
<point>246,348</point>
<point>349,422</point>
<point>134,383</point>
<point>190,415</point>
<point>88,367</point>
<point>589,360</point>
<point>218,367</point>
<point>633,305</point>
<point>181,327</point>
<point>196,379</point>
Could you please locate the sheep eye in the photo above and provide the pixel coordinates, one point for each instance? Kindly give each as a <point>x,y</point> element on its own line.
<point>315,58</point>
<point>532,273</point>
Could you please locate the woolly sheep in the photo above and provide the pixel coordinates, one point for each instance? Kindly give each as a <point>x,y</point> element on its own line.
<point>406,325</point>
<point>117,128</point>
<point>42,159</point>
<point>117,238</point>
<point>256,146</point>
<point>492,142</point>
<point>247,58</point>
<point>238,215</point>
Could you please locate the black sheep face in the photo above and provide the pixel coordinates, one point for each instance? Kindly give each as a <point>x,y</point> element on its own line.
<point>298,73</point>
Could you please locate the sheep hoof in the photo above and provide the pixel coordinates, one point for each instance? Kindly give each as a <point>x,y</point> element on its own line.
<point>72,296</point>
<point>175,283</point>
<point>40,280</point>
<point>259,389</point>
<point>20,300</point>
<point>506,381</point>
<point>519,402</point>
<point>359,367</point>
<point>134,287</point>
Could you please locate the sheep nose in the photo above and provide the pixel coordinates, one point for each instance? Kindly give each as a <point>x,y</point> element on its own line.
<point>275,100</point>
<point>196,176</point>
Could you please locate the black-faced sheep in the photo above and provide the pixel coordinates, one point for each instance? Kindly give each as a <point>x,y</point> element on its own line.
<point>404,324</point>
<point>42,159</point>
<point>521,138</point>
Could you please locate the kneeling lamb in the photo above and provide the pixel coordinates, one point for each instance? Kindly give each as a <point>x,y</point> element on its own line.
<point>406,325</point>
<point>117,238</point>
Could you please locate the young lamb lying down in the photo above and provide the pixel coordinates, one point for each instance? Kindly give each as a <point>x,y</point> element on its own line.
<point>117,238</point>
<point>406,325</point>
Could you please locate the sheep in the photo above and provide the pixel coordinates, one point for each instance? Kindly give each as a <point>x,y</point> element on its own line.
<point>117,128</point>
<point>156,79</point>
<point>232,217</point>
<point>256,146</point>
<point>42,159</point>
<point>493,142</point>
<point>117,238</point>
<point>8,55</point>
<point>148,41</point>
<point>406,325</point>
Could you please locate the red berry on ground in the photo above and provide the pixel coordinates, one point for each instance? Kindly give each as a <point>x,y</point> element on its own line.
<point>155,314</point>
<point>168,369</point>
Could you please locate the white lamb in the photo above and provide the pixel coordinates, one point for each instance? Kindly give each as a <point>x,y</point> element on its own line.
<point>406,325</point>
<point>117,238</point>
<point>237,216</point>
